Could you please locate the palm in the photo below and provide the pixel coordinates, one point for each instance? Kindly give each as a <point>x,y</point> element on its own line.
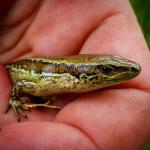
<point>94,119</point>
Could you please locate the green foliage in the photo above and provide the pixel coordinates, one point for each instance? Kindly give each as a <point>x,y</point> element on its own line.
<point>142,10</point>
<point>147,147</point>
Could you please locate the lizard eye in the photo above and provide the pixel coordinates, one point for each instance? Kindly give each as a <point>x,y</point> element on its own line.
<point>107,70</point>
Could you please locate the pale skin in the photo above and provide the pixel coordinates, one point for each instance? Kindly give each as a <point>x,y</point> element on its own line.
<point>115,118</point>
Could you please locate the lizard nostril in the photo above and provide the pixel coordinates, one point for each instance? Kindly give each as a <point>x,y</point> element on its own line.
<point>136,69</point>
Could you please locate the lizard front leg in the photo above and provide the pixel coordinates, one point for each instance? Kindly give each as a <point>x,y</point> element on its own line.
<point>15,102</point>
<point>20,106</point>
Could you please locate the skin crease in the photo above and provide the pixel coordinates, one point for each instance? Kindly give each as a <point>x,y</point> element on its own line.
<point>114,118</point>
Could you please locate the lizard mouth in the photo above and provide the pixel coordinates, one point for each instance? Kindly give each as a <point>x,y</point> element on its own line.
<point>126,75</point>
<point>123,76</point>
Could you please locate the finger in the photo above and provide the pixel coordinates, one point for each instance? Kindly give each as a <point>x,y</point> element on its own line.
<point>62,30</point>
<point>43,136</point>
<point>14,26</point>
<point>119,34</point>
<point>57,29</point>
<point>113,119</point>
<point>4,95</point>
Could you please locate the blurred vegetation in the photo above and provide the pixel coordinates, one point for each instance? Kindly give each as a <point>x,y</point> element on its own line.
<point>142,10</point>
<point>147,147</point>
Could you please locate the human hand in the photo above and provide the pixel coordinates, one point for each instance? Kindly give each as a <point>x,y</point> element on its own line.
<point>115,118</point>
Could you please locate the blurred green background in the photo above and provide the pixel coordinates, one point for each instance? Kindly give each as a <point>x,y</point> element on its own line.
<point>142,10</point>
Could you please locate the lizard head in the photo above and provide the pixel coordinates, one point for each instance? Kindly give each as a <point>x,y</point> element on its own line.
<point>112,69</point>
<point>106,70</point>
